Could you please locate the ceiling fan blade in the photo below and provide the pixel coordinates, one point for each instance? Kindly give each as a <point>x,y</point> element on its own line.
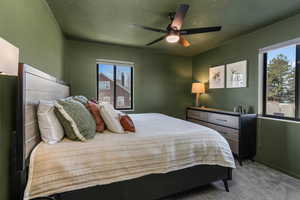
<point>184,42</point>
<point>200,30</point>
<point>157,40</point>
<point>150,28</point>
<point>179,16</point>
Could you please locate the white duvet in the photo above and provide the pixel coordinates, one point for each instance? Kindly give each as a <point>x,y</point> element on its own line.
<point>161,144</point>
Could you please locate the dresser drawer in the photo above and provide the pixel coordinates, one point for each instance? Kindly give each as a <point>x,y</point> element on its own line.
<point>224,120</point>
<point>228,133</point>
<point>231,135</point>
<point>238,129</point>
<point>197,115</point>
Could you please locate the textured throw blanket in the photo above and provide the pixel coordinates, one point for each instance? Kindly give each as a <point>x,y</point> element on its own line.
<point>161,144</point>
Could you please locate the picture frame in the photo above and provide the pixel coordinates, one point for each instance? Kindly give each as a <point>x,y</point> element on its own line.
<point>217,77</point>
<point>236,74</point>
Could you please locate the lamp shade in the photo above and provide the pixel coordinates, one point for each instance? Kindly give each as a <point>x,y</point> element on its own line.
<point>9,58</point>
<point>198,88</point>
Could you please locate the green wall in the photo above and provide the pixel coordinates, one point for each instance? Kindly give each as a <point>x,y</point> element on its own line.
<point>278,142</point>
<point>278,145</point>
<point>162,82</point>
<point>29,25</point>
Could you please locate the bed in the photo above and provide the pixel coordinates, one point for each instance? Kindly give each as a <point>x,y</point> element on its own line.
<point>165,156</point>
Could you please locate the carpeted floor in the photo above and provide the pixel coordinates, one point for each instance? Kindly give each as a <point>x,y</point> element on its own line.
<point>253,181</point>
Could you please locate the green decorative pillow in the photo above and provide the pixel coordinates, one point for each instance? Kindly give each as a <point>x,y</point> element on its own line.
<point>76,120</point>
<point>81,99</point>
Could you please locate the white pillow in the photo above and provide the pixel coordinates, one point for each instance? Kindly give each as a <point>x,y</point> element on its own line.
<point>111,117</point>
<point>50,128</point>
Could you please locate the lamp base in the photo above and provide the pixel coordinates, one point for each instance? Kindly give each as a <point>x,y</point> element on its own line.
<point>197,100</point>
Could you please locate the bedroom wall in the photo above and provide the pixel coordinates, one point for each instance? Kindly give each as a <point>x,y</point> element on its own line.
<point>30,26</point>
<point>162,82</point>
<point>278,142</point>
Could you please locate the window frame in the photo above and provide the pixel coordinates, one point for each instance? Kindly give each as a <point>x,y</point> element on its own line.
<point>115,64</point>
<point>297,86</point>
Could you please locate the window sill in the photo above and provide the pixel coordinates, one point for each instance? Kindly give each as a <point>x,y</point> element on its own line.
<point>281,120</point>
<point>126,110</point>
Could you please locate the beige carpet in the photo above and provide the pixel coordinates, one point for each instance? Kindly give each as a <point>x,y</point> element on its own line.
<point>253,181</point>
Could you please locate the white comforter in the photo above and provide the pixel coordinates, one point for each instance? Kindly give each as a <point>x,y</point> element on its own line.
<point>161,144</point>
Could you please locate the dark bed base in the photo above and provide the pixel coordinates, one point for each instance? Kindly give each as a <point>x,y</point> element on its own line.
<point>153,186</point>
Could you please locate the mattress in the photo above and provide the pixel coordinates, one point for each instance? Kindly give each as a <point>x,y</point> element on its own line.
<point>161,144</point>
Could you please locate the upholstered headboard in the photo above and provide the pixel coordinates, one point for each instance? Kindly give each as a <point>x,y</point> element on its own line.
<point>33,86</point>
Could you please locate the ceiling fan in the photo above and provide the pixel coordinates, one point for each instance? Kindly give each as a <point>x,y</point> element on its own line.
<point>173,32</point>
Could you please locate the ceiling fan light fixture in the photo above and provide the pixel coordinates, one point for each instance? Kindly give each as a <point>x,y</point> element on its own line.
<point>173,32</point>
<point>173,37</point>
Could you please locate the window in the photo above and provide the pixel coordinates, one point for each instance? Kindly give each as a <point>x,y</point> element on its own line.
<point>120,101</point>
<point>281,82</point>
<point>104,85</point>
<point>105,99</point>
<point>115,84</point>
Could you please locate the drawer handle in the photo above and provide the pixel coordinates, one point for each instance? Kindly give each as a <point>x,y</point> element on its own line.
<point>222,120</point>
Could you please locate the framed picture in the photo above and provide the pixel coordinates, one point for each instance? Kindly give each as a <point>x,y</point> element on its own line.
<point>217,77</point>
<point>236,74</point>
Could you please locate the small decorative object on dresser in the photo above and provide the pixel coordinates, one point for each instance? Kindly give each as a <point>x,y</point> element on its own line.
<point>198,88</point>
<point>238,129</point>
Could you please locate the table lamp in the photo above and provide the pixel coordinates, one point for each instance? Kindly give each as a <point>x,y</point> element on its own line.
<point>198,88</point>
<point>9,58</point>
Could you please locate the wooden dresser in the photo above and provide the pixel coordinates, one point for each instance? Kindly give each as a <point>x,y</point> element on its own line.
<point>238,129</point>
